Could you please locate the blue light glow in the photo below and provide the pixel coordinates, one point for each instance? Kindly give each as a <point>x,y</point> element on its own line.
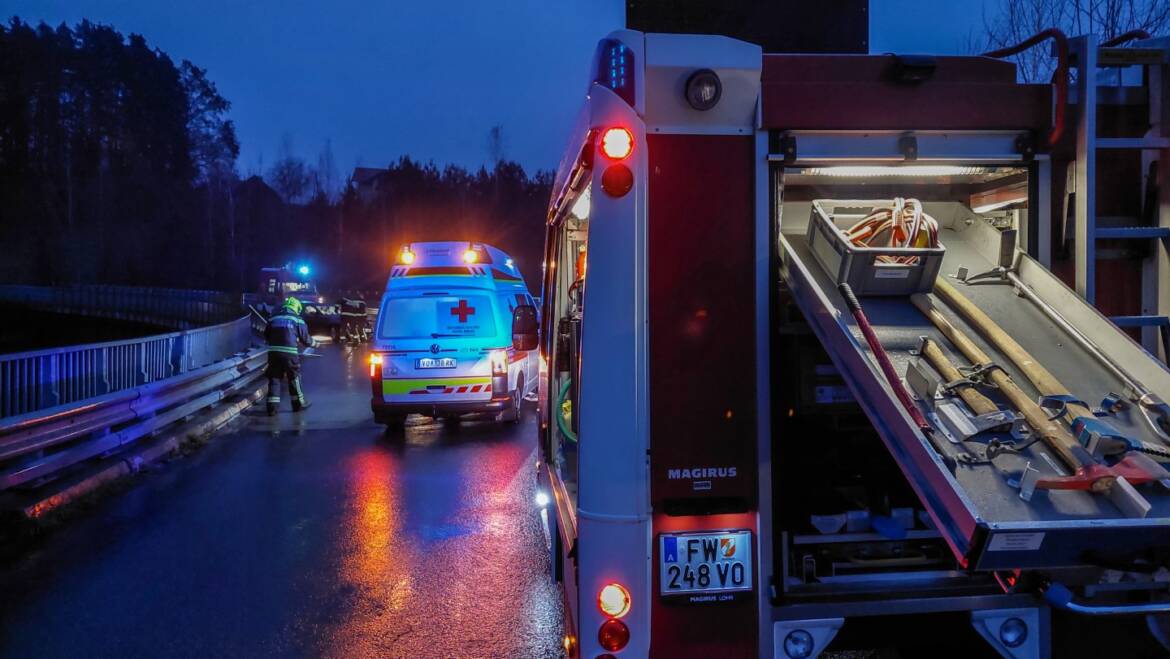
<point>304,270</point>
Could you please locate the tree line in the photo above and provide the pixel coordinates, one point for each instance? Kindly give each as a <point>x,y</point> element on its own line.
<point>119,166</point>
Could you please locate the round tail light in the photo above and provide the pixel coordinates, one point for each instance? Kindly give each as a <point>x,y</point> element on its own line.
<point>613,635</point>
<point>617,143</point>
<point>614,600</point>
<point>617,180</point>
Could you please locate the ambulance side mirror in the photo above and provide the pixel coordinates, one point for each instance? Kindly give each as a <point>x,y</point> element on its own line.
<point>525,330</point>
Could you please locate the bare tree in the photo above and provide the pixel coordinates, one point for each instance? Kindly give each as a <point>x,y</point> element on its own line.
<point>288,176</point>
<point>325,176</point>
<point>1013,21</point>
<point>495,144</point>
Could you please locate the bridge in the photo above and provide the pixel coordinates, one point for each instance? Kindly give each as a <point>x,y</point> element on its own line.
<point>313,533</point>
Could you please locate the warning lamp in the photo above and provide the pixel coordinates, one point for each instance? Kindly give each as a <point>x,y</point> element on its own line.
<point>614,600</point>
<point>613,635</point>
<point>406,257</point>
<point>617,180</point>
<point>470,256</point>
<point>617,143</point>
<point>304,270</point>
<point>375,364</point>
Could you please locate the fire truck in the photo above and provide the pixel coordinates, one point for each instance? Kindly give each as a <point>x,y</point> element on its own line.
<point>808,372</point>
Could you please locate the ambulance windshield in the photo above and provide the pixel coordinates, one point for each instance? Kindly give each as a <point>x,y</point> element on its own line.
<point>436,317</point>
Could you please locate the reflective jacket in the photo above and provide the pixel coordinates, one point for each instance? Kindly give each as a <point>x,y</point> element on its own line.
<point>285,331</point>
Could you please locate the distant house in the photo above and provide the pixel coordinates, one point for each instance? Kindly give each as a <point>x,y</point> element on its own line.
<point>367,181</point>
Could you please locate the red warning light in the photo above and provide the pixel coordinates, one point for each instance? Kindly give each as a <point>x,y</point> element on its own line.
<point>617,143</point>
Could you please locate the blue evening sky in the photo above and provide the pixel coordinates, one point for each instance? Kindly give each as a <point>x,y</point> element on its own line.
<point>381,78</point>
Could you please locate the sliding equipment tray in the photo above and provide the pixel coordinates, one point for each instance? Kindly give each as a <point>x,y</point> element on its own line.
<point>977,509</point>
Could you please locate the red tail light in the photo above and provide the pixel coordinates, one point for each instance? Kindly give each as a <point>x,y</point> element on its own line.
<point>617,143</point>
<point>613,635</point>
<point>614,600</point>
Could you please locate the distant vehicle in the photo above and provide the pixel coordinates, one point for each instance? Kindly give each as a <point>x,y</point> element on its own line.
<point>276,284</point>
<point>444,340</point>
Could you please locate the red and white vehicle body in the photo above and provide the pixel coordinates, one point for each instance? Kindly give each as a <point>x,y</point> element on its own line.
<point>699,383</point>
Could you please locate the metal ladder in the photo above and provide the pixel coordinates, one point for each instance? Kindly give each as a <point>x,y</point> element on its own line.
<point>1088,58</point>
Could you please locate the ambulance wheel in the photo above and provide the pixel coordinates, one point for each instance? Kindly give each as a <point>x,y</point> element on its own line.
<point>512,414</point>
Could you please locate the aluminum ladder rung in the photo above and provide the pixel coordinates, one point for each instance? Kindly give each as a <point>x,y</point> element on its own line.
<point>1133,56</point>
<point>1133,233</point>
<point>1133,143</point>
<point>1141,321</point>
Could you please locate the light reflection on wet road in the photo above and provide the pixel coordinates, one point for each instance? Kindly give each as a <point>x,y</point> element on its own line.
<point>311,536</point>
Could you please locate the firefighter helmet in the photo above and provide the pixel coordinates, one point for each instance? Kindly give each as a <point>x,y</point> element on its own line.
<point>293,305</point>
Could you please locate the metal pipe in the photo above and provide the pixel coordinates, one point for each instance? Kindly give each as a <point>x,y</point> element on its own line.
<point>1059,76</point>
<point>1059,596</point>
<point>1154,410</point>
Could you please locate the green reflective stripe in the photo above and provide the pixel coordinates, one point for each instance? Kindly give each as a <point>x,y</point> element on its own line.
<point>274,399</point>
<point>407,385</point>
<point>285,349</point>
<point>297,319</point>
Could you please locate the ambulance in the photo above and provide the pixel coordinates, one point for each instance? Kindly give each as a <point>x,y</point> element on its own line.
<point>443,346</point>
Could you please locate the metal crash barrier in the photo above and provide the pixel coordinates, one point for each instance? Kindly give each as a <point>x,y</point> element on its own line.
<point>60,406</point>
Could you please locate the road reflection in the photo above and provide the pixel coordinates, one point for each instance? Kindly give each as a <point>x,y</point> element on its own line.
<point>441,552</point>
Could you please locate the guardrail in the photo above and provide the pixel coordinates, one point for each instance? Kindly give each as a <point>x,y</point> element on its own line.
<point>62,406</point>
<point>38,445</point>
<point>41,379</point>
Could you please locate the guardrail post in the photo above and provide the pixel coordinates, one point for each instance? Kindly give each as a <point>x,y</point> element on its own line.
<point>51,388</point>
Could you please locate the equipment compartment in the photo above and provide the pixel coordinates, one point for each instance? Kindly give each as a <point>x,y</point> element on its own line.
<point>974,502</point>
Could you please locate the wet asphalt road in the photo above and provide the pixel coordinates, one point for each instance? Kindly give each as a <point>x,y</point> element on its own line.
<point>303,535</point>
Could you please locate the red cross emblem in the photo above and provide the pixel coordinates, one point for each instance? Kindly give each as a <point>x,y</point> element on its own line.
<point>463,311</point>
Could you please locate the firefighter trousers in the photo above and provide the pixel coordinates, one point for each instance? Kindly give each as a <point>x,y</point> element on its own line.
<point>283,366</point>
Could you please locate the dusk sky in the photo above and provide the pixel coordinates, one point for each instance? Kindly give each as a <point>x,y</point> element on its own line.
<point>381,79</point>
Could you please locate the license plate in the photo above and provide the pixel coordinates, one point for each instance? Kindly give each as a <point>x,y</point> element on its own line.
<point>435,362</point>
<point>705,563</point>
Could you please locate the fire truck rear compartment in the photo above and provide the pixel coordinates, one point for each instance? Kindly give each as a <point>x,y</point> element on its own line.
<point>835,456</point>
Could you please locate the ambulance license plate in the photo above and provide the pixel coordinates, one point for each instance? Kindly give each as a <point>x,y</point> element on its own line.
<point>435,362</point>
<point>705,566</point>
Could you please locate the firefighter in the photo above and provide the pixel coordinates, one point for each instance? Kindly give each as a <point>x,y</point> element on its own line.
<point>285,332</point>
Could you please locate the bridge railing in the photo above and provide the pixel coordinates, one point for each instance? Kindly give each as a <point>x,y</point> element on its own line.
<point>41,379</point>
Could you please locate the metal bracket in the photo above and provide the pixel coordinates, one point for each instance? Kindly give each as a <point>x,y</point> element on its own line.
<point>996,275</point>
<point>977,373</point>
<point>1028,482</point>
<point>908,146</point>
<point>955,422</point>
<point>787,147</point>
<point>1059,403</point>
<point>1026,146</point>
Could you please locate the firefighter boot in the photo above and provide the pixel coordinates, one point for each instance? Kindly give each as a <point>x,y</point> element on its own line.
<point>297,393</point>
<point>273,396</point>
